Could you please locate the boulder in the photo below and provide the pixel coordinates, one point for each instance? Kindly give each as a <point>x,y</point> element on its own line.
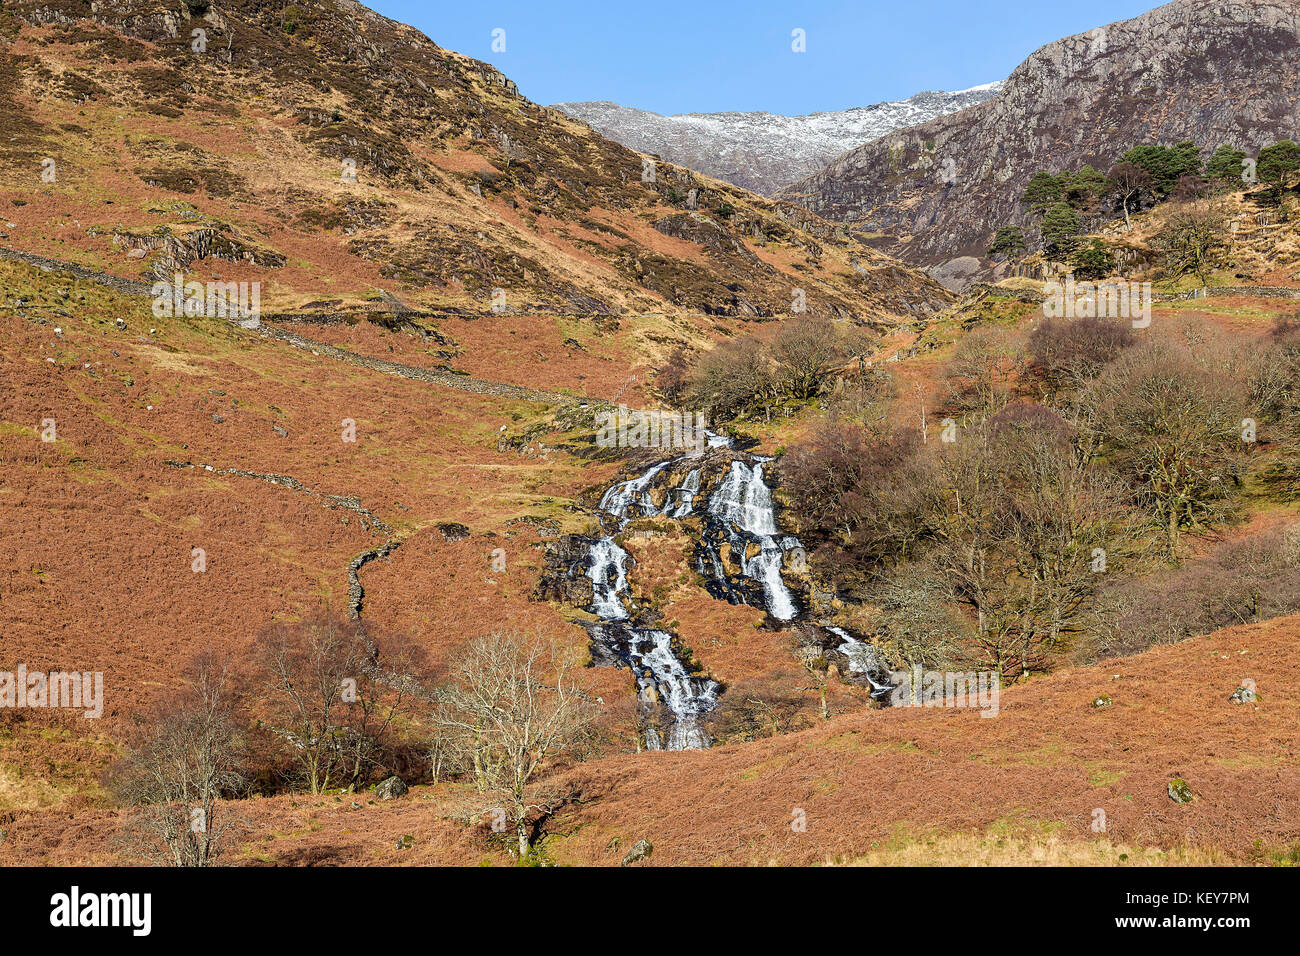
<point>1243,695</point>
<point>641,850</point>
<point>391,787</point>
<point>453,531</point>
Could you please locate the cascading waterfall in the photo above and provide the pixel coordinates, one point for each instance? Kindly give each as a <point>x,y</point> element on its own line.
<point>738,514</point>
<point>648,652</point>
<point>741,508</point>
<point>686,494</point>
<point>863,660</point>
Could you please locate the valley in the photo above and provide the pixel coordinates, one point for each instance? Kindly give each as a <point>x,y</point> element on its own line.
<point>373,576</point>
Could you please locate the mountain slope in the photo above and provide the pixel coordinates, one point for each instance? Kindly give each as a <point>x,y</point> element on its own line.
<point>764,151</point>
<point>226,137</point>
<point>1212,71</point>
<point>1053,780</point>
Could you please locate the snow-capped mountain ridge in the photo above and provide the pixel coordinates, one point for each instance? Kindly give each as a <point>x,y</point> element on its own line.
<point>765,151</point>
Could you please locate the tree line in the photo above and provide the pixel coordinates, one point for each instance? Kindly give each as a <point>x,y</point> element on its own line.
<point>333,705</point>
<point>1070,465</point>
<point>1143,177</point>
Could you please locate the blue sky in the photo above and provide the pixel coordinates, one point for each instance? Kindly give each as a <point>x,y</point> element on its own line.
<point>709,55</point>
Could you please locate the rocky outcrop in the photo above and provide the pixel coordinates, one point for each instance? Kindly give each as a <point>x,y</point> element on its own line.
<point>180,250</point>
<point>641,850</point>
<point>562,579</point>
<point>1210,71</point>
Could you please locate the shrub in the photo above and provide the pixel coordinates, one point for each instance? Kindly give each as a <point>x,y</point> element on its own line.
<point>1008,240</point>
<point>1238,582</point>
<point>1068,353</point>
<point>1093,261</point>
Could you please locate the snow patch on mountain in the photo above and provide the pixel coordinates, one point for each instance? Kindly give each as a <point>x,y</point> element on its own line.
<point>765,151</point>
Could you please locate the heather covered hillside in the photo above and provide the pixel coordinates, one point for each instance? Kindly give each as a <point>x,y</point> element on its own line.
<point>342,158</point>
<point>395,471</point>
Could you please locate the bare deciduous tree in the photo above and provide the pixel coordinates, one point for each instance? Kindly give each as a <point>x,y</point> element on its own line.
<point>334,690</point>
<point>985,370</point>
<point>1194,239</point>
<point>805,352</point>
<point>516,707</point>
<point>734,378</point>
<point>177,774</point>
<point>1128,181</point>
<point>1169,413</point>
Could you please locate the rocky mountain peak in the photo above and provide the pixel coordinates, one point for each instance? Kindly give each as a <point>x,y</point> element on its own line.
<point>765,151</point>
<point>1210,71</point>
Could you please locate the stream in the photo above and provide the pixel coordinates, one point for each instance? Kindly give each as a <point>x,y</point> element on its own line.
<point>739,513</point>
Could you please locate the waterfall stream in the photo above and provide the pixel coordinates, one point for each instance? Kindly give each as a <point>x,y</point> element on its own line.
<point>739,521</point>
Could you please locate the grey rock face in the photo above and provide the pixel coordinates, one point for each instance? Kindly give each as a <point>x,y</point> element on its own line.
<point>1212,71</point>
<point>764,151</point>
<point>956,275</point>
<point>641,850</point>
<point>389,788</point>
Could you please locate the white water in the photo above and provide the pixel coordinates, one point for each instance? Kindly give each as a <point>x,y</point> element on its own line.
<point>686,494</point>
<point>632,492</point>
<point>744,500</point>
<point>606,556</point>
<point>659,674</point>
<point>863,659</point>
<point>742,504</point>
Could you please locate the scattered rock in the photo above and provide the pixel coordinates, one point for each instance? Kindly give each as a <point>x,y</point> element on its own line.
<point>392,787</point>
<point>217,418</point>
<point>280,431</point>
<point>453,531</point>
<point>406,842</point>
<point>641,850</point>
<point>121,326</point>
<point>1179,791</point>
